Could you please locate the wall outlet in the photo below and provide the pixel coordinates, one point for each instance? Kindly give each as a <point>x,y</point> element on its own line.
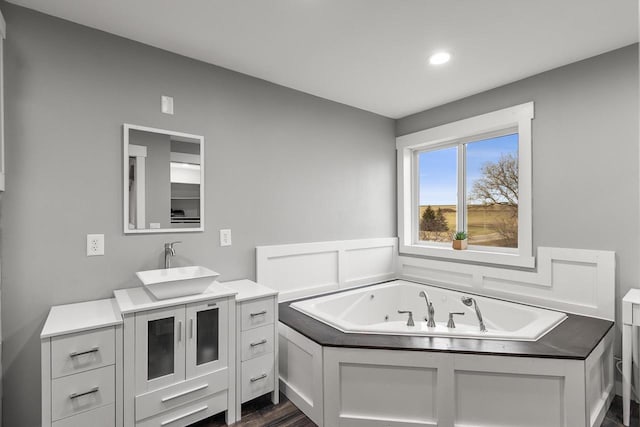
<point>95,244</point>
<point>225,237</point>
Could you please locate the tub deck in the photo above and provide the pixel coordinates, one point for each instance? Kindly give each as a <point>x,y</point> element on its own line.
<point>574,338</point>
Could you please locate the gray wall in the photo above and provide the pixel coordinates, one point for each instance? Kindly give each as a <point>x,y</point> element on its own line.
<point>585,153</point>
<point>282,167</point>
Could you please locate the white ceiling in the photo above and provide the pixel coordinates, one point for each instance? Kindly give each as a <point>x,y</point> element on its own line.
<point>371,54</point>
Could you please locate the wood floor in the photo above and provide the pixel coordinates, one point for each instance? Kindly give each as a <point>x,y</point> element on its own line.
<point>614,415</point>
<point>262,413</point>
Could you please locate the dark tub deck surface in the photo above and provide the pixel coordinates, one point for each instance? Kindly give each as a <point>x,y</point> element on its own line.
<point>574,338</point>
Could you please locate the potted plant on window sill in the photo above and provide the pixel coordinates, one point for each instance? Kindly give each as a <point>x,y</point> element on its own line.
<point>460,240</point>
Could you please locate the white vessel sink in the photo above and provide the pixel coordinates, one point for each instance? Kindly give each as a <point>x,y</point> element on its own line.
<point>178,281</point>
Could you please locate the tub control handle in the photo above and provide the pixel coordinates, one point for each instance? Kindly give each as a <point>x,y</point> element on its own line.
<point>451,324</point>
<point>410,319</point>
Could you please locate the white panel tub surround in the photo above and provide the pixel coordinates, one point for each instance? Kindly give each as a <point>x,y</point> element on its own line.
<point>576,281</point>
<point>304,269</point>
<point>300,361</point>
<point>81,357</point>
<point>390,388</point>
<point>179,356</point>
<point>256,342</point>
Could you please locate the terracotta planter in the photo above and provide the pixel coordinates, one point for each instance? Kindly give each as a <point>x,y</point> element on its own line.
<point>460,244</point>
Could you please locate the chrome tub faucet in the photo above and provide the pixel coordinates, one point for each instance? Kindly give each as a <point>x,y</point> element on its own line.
<point>431,323</point>
<point>169,251</point>
<point>451,324</point>
<point>410,319</point>
<point>468,301</point>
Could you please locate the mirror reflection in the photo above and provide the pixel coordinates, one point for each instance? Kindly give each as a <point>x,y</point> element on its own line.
<point>163,177</point>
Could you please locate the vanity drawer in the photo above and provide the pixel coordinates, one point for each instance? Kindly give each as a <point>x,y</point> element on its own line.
<point>257,377</point>
<point>101,417</point>
<point>158,401</point>
<point>257,342</point>
<point>189,413</point>
<point>257,313</point>
<point>82,392</point>
<point>82,351</point>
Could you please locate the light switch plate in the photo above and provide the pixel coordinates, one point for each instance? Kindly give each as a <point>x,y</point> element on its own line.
<point>167,104</point>
<point>225,237</point>
<point>95,244</point>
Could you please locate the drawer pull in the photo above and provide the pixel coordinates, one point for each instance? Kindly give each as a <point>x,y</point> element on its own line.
<point>260,313</point>
<point>212,304</point>
<point>179,417</point>
<point>77,395</point>
<point>82,353</point>
<point>258,378</point>
<point>262,341</point>
<point>184,393</point>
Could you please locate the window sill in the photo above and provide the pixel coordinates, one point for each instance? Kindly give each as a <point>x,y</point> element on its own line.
<point>471,255</point>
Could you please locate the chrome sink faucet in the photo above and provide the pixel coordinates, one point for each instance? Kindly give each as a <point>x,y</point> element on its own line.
<point>169,251</point>
<point>468,301</point>
<point>431,323</point>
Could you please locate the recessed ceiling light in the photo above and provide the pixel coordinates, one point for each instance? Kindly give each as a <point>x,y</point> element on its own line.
<point>439,58</point>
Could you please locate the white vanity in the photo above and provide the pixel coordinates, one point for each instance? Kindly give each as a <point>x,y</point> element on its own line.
<point>139,361</point>
<point>256,342</point>
<point>81,346</point>
<point>178,356</point>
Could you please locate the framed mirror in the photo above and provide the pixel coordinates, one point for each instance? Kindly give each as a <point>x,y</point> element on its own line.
<point>163,181</point>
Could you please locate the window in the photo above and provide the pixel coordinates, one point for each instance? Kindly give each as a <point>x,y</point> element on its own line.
<point>473,175</point>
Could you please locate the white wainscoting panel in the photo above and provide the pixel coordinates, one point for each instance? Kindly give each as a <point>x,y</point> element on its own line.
<point>383,388</point>
<point>481,396</point>
<point>363,391</point>
<point>571,280</point>
<point>393,388</point>
<point>600,380</point>
<point>300,362</point>
<point>304,269</point>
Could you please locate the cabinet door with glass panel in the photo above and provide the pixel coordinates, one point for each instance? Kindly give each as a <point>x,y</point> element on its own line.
<point>206,346</point>
<point>181,342</point>
<point>160,348</point>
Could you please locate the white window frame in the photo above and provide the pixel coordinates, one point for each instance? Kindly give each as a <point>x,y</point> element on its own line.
<point>518,117</point>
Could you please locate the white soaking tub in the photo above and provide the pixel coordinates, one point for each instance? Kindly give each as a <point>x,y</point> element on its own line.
<point>374,310</point>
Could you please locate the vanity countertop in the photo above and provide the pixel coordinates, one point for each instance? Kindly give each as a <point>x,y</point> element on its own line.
<point>83,316</point>
<point>139,299</point>
<point>248,290</point>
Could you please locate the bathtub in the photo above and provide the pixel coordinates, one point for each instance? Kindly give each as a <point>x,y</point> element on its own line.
<point>374,310</point>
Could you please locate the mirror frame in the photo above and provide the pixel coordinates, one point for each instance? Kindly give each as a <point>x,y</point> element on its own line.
<point>125,175</point>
